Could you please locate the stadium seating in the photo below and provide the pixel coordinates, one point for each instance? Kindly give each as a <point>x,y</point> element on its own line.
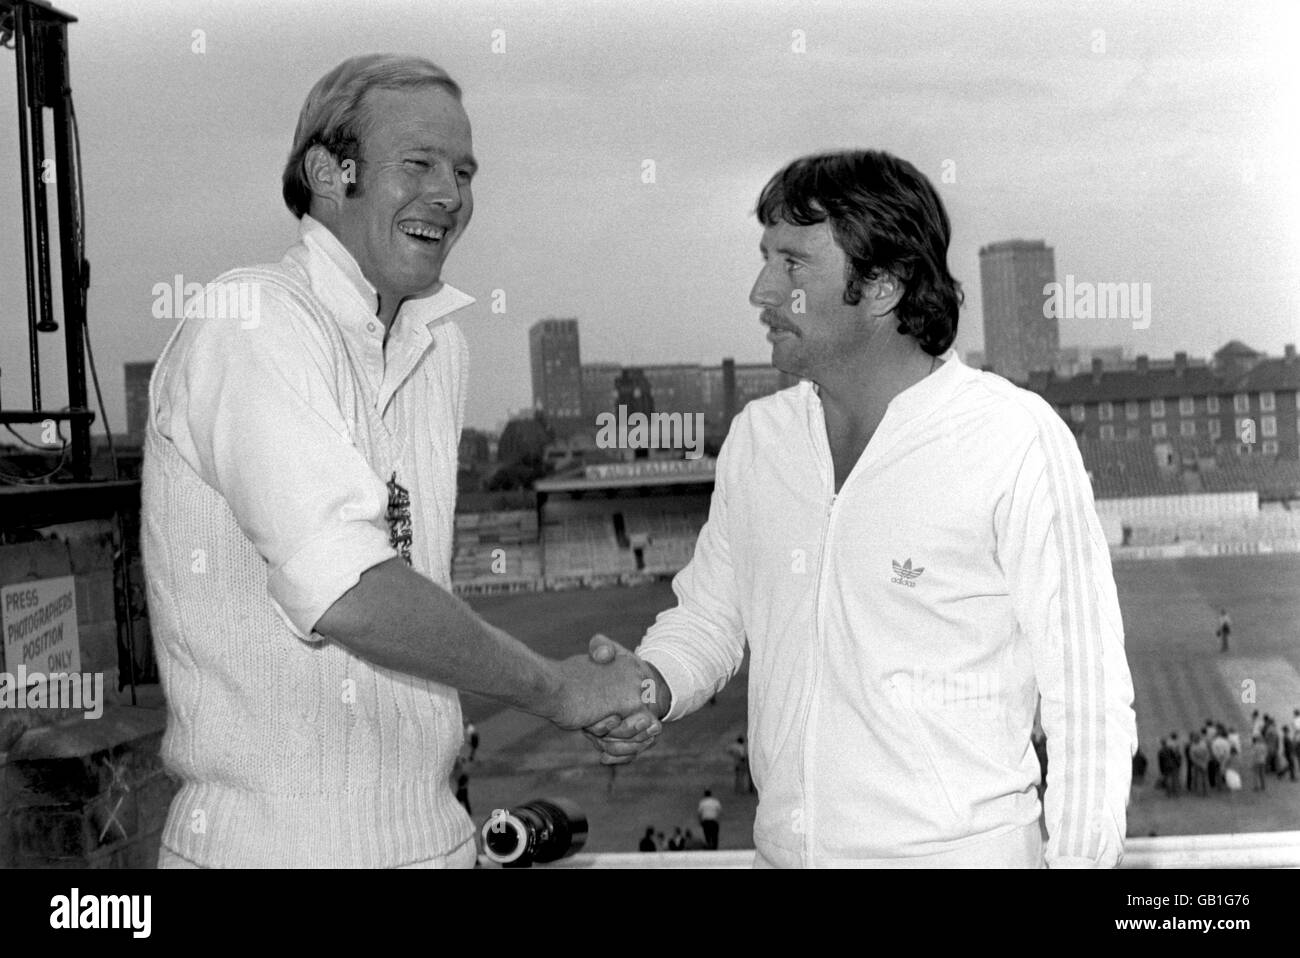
<point>1134,468</point>
<point>496,551</point>
<point>1183,507</point>
<point>1128,469</point>
<point>1273,478</point>
<point>1265,527</point>
<point>506,551</point>
<point>1169,493</point>
<point>586,547</point>
<point>1148,494</point>
<point>668,537</point>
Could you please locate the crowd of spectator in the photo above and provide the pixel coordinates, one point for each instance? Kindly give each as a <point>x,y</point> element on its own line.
<point>1216,757</point>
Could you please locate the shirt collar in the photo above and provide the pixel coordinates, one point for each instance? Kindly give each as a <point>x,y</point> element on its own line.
<point>921,393</point>
<point>338,266</point>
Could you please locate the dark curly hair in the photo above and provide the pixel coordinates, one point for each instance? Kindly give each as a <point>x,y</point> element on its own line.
<point>886,217</point>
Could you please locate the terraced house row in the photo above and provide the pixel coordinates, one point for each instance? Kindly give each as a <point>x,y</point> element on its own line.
<point>1243,403</point>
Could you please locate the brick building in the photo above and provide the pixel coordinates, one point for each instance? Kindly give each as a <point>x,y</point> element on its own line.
<point>1242,402</point>
<point>556,365</point>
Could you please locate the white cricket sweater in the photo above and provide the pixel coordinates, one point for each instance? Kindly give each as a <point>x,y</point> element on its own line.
<point>901,631</point>
<point>268,449</point>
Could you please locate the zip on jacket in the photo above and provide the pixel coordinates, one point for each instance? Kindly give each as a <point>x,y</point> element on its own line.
<point>959,572</point>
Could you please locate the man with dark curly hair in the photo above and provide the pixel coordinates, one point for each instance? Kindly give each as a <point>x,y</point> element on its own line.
<point>911,551</point>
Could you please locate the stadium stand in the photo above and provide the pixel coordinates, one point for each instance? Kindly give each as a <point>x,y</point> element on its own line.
<point>666,539</point>
<point>496,552</point>
<point>1274,479</point>
<point>1208,519</point>
<point>1128,469</point>
<point>623,523</point>
<point>586,549</point>
<point>1164,496</point>
<point>1154,468</point>
<point>1271,529</point>
<point>1182,507</point>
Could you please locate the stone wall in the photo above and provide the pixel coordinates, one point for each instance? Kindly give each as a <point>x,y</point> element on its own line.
<point>77,791</point>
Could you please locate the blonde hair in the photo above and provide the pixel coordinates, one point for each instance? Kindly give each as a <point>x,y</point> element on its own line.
<point>334,115</point>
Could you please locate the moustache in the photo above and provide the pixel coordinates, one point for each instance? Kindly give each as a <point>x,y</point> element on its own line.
<point>773,321</point>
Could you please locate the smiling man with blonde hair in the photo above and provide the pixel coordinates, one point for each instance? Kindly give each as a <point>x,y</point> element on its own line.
<point>299,490</point>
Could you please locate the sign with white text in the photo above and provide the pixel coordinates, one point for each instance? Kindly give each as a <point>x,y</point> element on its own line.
<point>40,625</point>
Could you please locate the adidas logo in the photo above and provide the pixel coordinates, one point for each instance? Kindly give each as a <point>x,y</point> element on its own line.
<point>905,575</point>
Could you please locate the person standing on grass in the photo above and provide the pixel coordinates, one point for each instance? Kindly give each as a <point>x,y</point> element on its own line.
<point>1165,763</point>
<point>709,813</point>
<point>647,843</point>
<point>1259,757</point>
<point>740,757</point>
<point>1224,630</point>
<point>1199,755</point>
<point>1221,753</point>
<point>1139,766</point>
<point>1178,753</point>
<point>1272,742</point>
<point>1288,752</point>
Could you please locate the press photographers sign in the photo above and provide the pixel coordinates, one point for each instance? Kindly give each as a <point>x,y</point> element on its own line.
<point>40,625</point>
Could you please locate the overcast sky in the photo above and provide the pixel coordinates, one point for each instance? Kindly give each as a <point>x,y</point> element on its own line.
<point>1149,142</point>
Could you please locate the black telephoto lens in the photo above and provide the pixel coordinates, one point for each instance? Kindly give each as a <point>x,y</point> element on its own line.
<point>543,830</point>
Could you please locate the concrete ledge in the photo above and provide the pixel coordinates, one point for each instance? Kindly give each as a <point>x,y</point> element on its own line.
<point>1250,850</point>
<point>720,859</point>
<point>80,737</point>
<point>1245,850</point>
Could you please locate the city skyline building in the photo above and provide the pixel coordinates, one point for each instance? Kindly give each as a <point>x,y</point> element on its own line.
<point>599,392</point>
<point>1018,338</point>
<point>556,362</point>
<point>136,376</point>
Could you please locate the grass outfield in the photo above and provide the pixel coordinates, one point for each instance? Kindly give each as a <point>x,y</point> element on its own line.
<point>1179,675</point>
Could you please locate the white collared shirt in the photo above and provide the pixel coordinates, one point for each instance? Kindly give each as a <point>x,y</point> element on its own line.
<point>301,437</point>
<point>271,441</point>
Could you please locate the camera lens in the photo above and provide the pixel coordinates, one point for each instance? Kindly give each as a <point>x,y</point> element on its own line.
<point>544,830</point>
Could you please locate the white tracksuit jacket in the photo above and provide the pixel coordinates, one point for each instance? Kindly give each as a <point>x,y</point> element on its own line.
<point>900,632</point>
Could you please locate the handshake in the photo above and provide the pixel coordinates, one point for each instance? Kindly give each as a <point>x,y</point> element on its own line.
<point>616,698</point>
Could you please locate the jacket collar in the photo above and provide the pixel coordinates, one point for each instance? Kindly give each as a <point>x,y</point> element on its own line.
<point>920,397</point>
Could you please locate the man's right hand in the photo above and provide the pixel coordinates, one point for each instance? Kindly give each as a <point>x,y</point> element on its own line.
<point>591,689</point>
<point>622,737</point>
